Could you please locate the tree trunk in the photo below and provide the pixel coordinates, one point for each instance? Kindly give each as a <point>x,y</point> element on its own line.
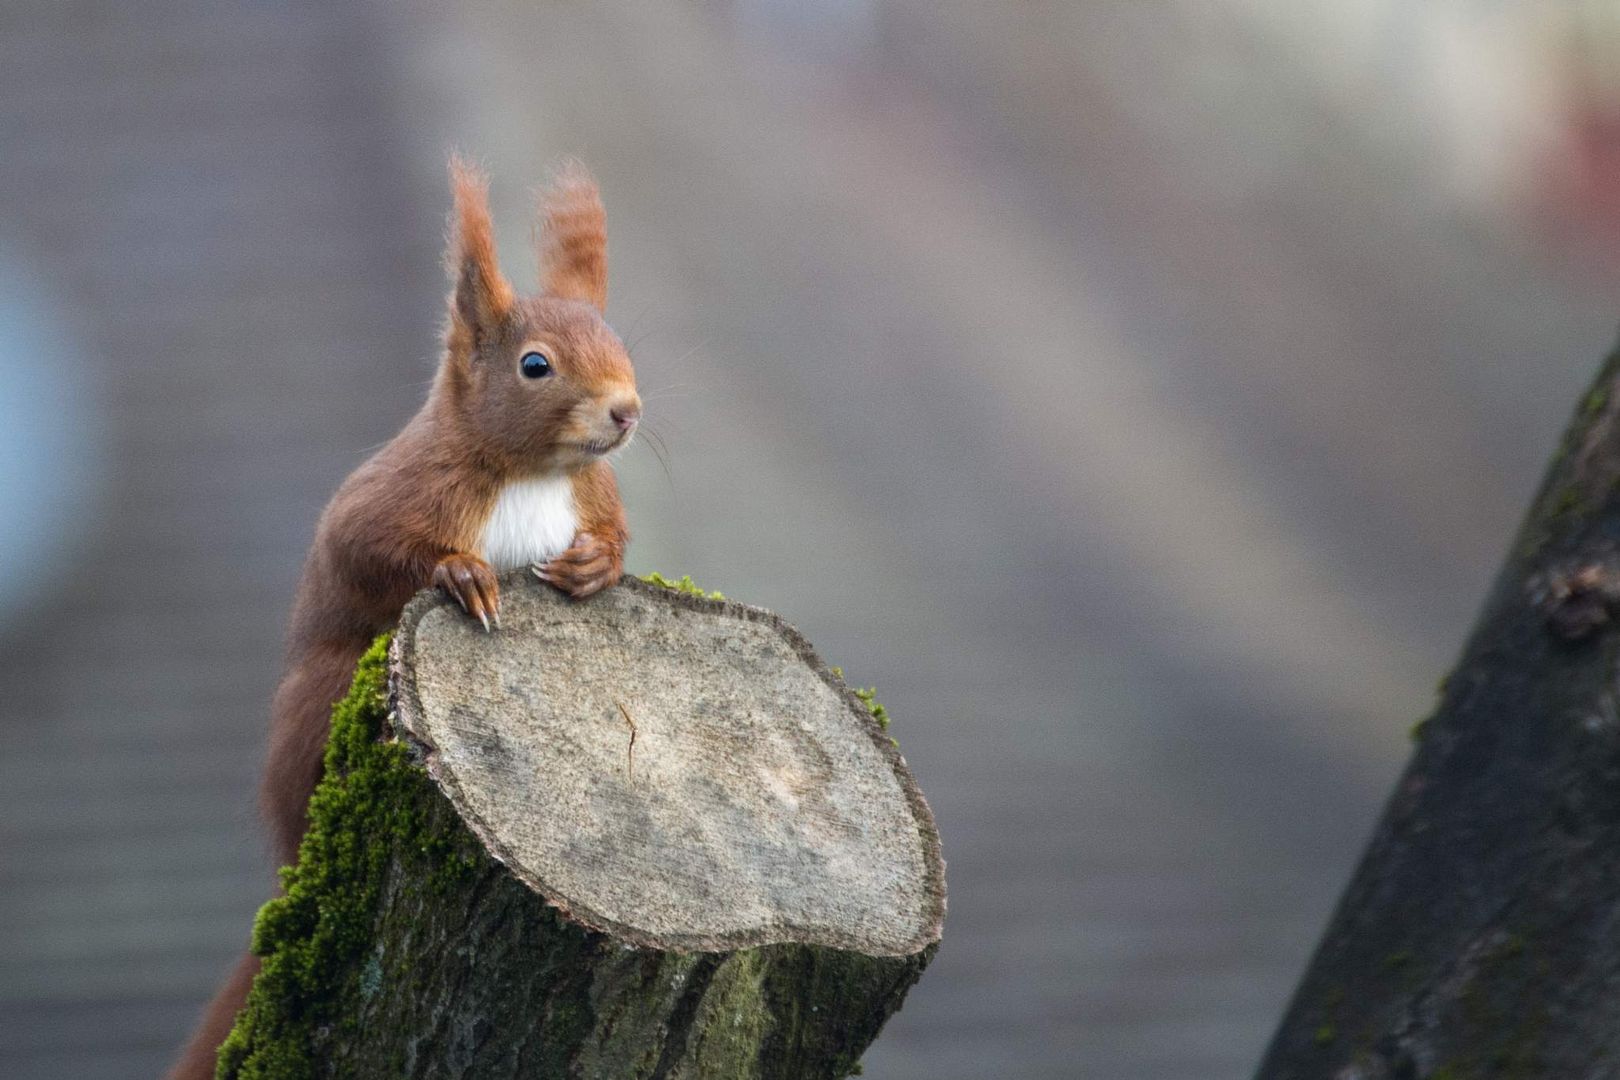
<point>1480,936</point>
<point>650,835</point>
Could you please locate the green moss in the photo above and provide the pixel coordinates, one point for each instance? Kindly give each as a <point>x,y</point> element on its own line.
<point>869,698</point>
<point>315,940</point>
<point>1325,1035</point>
<point>734,1018</point>
<point>1416,731</point>
<point>1395,961</point>
<point>685,585</point>
<point>1595,400</point>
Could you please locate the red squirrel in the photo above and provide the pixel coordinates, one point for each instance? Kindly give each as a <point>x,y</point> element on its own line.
<point>504,466</point>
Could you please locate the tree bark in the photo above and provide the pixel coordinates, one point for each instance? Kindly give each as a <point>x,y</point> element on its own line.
<point>650,835</point>
<point>1480,935</point>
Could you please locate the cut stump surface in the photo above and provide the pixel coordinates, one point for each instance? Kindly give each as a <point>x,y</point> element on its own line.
<point>681,773</point>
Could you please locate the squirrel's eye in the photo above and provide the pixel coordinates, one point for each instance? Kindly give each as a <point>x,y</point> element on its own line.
<point>534,365</point>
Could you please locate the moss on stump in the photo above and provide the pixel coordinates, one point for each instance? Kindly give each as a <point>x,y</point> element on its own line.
<point>402,948</point>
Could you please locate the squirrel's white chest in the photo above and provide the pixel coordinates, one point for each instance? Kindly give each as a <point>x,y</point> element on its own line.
<point>532,520</point>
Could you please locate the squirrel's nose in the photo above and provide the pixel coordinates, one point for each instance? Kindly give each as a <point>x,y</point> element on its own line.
<point>626,415</point>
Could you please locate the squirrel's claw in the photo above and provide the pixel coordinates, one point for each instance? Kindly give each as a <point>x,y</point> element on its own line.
<point>471,582</point>
<point>586,568</point>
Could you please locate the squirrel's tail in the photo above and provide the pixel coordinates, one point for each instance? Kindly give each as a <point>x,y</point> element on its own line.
<point>202,1052</point>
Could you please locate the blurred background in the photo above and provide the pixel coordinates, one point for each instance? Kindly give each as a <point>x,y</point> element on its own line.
<point>1141,396</point>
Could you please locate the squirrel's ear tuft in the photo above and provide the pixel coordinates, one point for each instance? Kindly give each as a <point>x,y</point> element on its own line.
<point>571,237</point>
<point>482,297</point>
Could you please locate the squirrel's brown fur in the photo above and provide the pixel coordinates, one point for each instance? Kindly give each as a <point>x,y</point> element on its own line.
<point>412,515</point>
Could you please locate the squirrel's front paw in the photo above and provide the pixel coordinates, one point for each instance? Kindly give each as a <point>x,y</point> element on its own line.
<point>471,582</point>
<point>590,566</point>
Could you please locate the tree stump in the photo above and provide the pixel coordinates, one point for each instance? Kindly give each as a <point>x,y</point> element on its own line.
<point>1480,936</point>
<point>648,835</point>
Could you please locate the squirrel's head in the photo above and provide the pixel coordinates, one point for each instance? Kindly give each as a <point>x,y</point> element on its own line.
<point>538,383</point>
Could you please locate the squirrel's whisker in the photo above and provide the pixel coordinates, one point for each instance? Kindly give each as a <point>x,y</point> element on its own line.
<point>655,443</point>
